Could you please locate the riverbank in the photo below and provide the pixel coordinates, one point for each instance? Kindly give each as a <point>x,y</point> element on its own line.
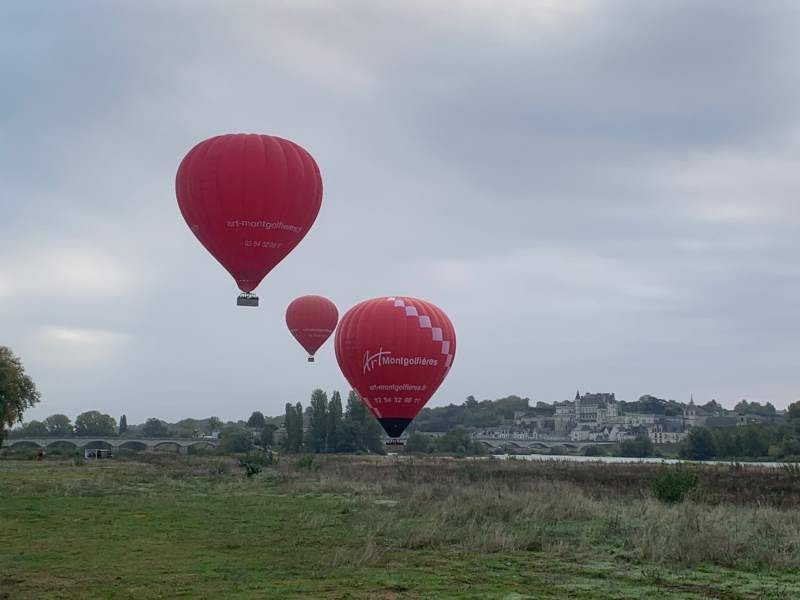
<point>377,527</point>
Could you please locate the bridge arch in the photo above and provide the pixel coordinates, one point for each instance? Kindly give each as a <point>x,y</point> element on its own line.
<point>133,446</point>
<point>62,445</point>
<point>98,444</point>
<point>167,445</point>
<point>21,444</point>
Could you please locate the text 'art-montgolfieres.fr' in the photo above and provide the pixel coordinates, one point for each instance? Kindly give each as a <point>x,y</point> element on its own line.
<point>395,352</point>
<point>249,199</point>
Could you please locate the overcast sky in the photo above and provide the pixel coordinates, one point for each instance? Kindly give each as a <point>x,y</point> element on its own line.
<point>602,195</point>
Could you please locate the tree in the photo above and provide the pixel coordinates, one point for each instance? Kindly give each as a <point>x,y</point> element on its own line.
<point>294,427</point>
<point>288,424</point>
<point>123,424</point>
<point>267,435</point>
<point>17,390</point>
<point>256,420</point>
<point>793,412</point>
<point>363,430</point>
<point>236,439</point>
<point>754,442</point>
<point>155,428</point>
<point>95,423</point>
<point>640,447</point>
<point>59,425</point>
<point>34,429</point>
<point>214,424</point>
<point>318,430</point>
<point>335,422</point>
<point>699,444</point>
<point>458,441</point>
<point>419,442</point>
<point>299,427</point>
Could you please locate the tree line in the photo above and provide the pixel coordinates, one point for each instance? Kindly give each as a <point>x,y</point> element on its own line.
<point>778,441</point>
<point>326,426</point>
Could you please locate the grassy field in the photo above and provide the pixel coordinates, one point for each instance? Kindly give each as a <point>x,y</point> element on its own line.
<point>164,526</point>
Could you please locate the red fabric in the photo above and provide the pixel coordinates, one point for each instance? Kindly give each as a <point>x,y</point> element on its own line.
<point>249,199</point>
<point>312,320</point>
<point>388,351</point>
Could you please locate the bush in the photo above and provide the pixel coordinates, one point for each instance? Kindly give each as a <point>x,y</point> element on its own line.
<point>218,468</point>
<point>671,485</point>
<point>262,459</point>
<point>250,468</point>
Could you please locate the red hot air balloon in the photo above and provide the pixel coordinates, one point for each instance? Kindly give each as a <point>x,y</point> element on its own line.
<point>312,320</point>
<point>395,352</point>
<point>249,199</point>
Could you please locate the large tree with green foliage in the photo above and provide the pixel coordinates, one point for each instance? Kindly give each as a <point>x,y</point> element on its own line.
<point>318,426</point>
<point>266,438</point>
<point>299,427</point>
<point>699,444</point>
<point>256,420</point>
<point>17,390</point>
<point>458,441</point>
<point>95,423</point>
<point>362,430</point>
<point>236,439</point>
<point>34,429</point>
<point>59,425</point>
<point>335,422</point>
<point>155,428</point>
<point>419,443</point>
<point>293,422</point>
<point>214,424</point>
<point>123,424</point>
<point>640,447</point>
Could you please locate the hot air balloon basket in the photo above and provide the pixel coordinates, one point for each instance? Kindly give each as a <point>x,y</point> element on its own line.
<point>247,300</point>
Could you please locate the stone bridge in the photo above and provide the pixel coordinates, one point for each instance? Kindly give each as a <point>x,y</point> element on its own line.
<point>181,445</point>
<point>512,445</point>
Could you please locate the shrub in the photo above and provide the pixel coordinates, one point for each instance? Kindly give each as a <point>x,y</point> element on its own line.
<point>672,485</point>
<point>218,468</point>
<point>262,459</point>
<point>250,468</point>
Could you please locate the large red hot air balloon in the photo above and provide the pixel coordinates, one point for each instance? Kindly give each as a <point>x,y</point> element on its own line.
<point>395,352</point>
<point>312,320</point>
<point>249,199</point>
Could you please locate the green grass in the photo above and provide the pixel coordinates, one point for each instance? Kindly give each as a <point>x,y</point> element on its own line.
<point>355,527</point>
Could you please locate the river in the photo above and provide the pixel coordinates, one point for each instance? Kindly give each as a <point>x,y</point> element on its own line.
<point>625,459</point>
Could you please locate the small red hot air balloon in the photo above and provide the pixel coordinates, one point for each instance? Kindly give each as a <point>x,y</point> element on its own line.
<point>312,320</point>
<point>395,352</point>
<point>249,199</point>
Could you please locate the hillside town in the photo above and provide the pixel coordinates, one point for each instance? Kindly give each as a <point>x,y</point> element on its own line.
<point>599,417</point>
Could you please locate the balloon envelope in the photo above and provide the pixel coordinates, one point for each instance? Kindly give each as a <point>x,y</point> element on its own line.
<point>311,320</point>
<point>249,199</point>
<point>395,352</point>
